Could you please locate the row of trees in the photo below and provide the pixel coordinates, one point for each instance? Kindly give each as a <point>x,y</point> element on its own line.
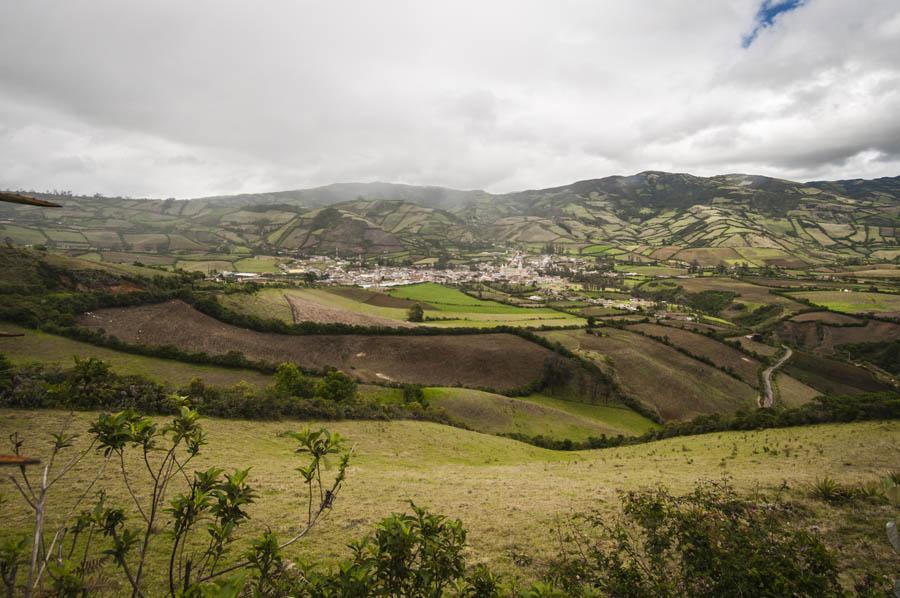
<point>91,384</point>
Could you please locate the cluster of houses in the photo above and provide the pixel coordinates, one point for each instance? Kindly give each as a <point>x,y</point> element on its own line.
<point>518,269</point>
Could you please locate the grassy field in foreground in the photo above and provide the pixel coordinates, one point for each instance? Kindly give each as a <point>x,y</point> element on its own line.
<point>511,496</point>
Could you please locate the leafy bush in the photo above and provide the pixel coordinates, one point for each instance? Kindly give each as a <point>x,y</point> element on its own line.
<point>91,384</point>
<point>75,554</point>
<point>708,543</point>
<point>413,393</point>
<point>831,491</point>
<point>290,382</point>
<point>408,556</point>
<point>336,386</point>
<point>415,313</point>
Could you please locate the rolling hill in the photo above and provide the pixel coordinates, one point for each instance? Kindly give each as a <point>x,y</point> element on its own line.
<point>650,216</point>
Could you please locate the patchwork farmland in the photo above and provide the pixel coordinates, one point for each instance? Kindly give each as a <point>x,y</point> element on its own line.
<point>500,361</point>
<point>675,385</point>
<point>444,307</point>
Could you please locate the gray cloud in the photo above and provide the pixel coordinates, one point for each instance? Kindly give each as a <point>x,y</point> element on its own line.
<point>174,98</point>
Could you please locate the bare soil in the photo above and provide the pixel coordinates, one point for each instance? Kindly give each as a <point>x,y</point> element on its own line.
<point>499,361</point>
<point>820,338</point>
<point>304,310</point>
<point>675,385</point>
<point>696,344</point>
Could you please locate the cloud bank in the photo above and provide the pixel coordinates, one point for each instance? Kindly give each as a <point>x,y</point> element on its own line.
<point>170,98</point>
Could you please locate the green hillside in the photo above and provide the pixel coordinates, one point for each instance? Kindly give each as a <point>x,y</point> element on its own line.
<point>649,216</point>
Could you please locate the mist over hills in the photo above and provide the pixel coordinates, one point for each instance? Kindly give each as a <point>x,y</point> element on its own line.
<point>649,216</point>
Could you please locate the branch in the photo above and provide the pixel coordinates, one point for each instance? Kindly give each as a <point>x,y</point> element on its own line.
<point>22,491</point>
<point>324,506</point>
<point>72,463</point>
<point>137,503</point>
<point>65,520</point>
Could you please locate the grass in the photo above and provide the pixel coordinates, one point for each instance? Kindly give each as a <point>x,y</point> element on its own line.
<point>49,349</point>
<point>511,496</point>
<point>22,235</point>
<point>651,270</point>
<point>536,415</point>
<point>341,305</point>
<point>449,299</point>
<point>595,249</point>
<point>616,416</point>
<point>853,302</point>
<point>257,264</point>
<point>205,266</point>
<point>677,386</point>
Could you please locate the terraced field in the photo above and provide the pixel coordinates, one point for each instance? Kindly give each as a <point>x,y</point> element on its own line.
<point>677,386</point>
<point>754,346</point>
<point>751,295</point>
<point>826,317</point>
<point>315,305</point>
<point>372,308</point>
<point>50,349</point>
<point>832,377</point>
<point>460,309</point>
<point>854,302</point>
<point>720,354</point>
<point>499,361</point>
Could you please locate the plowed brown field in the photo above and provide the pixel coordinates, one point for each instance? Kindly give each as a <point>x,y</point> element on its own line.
<point>499,361</point>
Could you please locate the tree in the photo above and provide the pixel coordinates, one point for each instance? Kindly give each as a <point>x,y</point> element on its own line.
<point>337,386</point>
<point>290,382</point>
<point>78,553</point>
<point>591,322</point>
<point>416,313</point>
<point>413,393</point>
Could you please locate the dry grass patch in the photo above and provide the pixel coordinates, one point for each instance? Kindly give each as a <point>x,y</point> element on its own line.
<point>511,496</point>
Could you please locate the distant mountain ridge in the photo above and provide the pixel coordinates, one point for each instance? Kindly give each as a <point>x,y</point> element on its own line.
<point>651,215</point>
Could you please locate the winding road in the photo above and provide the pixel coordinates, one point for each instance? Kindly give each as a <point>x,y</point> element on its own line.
<point>768,397</point>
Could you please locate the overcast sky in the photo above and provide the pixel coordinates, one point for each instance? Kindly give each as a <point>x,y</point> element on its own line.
<point>175,98</point>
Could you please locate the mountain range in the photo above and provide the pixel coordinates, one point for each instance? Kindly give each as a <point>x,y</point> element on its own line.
<point>648,216</point>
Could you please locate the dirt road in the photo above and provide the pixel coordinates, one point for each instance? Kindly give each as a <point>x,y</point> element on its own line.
<point>768,397</point>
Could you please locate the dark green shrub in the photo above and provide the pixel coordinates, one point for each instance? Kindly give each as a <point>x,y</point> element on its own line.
<point>412,556</point>
<point>708,543</point>
<point>413,393</point>
<point>290,382</point>
<point>415,313</point>
<point>336,386</point>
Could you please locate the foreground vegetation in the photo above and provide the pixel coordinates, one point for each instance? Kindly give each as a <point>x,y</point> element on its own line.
<point>774,475</point>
